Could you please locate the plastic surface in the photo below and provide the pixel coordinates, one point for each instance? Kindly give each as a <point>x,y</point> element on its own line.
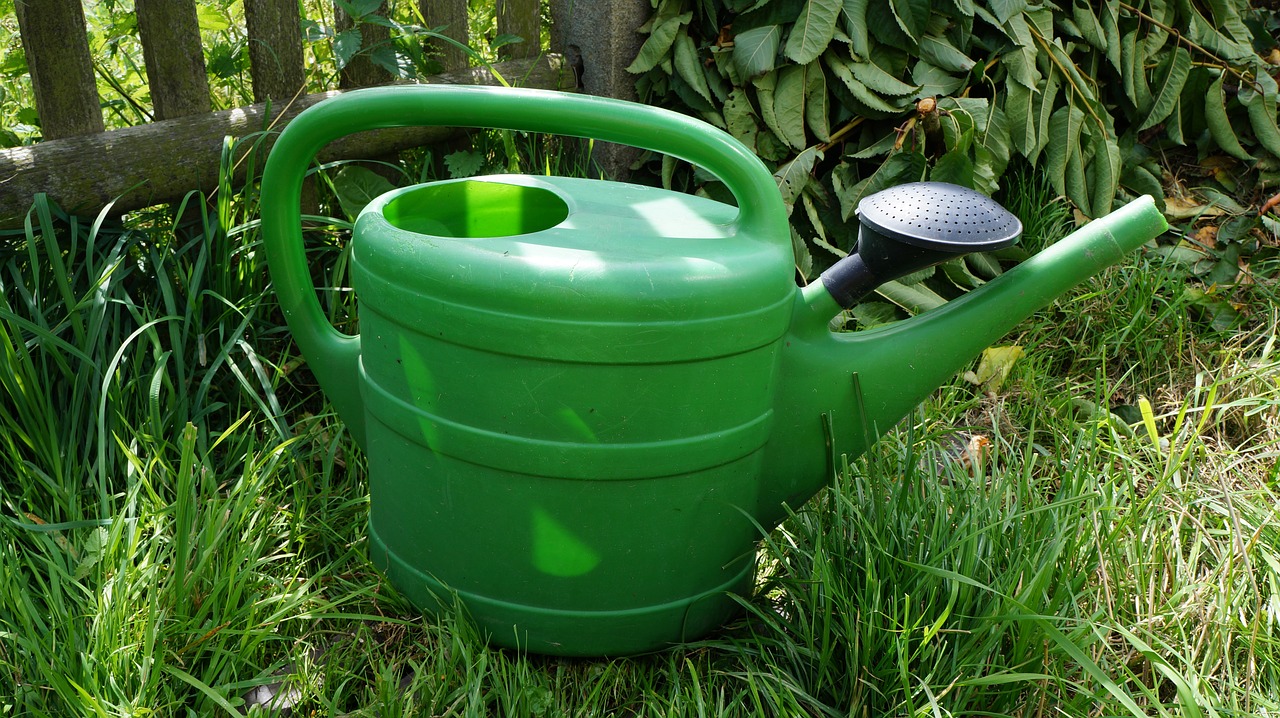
<point>582,400</point>
<point>939,216</point>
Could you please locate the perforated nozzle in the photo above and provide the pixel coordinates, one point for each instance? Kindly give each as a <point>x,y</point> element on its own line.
<point>910,227</point>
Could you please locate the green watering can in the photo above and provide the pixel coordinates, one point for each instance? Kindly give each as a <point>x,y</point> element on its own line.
<point>581,400</point>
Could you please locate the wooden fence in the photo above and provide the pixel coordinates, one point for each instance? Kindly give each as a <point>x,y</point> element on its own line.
<point>83,167</point>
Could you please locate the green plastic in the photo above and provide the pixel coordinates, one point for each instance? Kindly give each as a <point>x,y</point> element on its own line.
<point>582,400</point>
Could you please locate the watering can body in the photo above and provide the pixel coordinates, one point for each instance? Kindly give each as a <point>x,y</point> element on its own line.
<point>581,401</point>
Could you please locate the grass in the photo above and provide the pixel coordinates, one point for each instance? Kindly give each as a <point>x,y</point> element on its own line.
<point>182,520</point>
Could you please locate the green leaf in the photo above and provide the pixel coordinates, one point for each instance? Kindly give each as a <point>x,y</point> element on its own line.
<point>875,78</point>
<point>739,118</point>
<point>1104,173</point>
<point>816,100</point>
<point>915,298</point>
<point>938,51</point>
<point>345,46</point>
<point>210,20</point>
<point>813,30</point>
<point>463,163</point>
<point>788,106</point>
<point>855,25</point>
<point>874,314</point>
<point>1110,19</point>
<point>1064,144</point>
<point>689,67</point>
<point>899,168</point>
<point>357,186</point>
<point>1090,28</point>
<point>657,46</point>
<point>842,70</point>
<point>958,273</point>
<point>1005,9</point>
<point>800,251</point>
<point>765,86</point>
<point>1215,115</point>
<point>811,211</point>
<point>1262,112</point>
<point>912,16</point>
<point>755,51</point>
<point>794,176</point>
<point>1133,72</point>
<point>1175,76</point>
<point>984,264</point>
<point>955,167</point>
<point>934,81</point>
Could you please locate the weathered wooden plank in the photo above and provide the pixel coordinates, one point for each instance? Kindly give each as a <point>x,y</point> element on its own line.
<point>362,71</point>
<point>520,17</point>
<point>450,18</point>
<point>275,49</point>
<point>84,174</point>
<point>57,48</point>
<point>170,34</point>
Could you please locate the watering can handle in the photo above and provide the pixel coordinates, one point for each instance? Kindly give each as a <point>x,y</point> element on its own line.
<point>333,356</point>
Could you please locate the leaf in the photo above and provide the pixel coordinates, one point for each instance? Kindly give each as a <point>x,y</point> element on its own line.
<point>1064,143</point>
<point>811,211</point>
<point>912,16</point>
<point>994,367</point>
<point>842,70</point>
<point>1215,116</point>
<point>955,167</point>
<point>794,176</point>
<point>1104,173</point>
<point>1179,66</point>
<point>788,106</point>
<point>934,81</point>
<point>357,186</point>
<point>813,30</point>
<point>1005,9</point>
<point>899,168</point>
<point>875,78</point>
<point>345,46</point>
<point>755,51</point>
<point>1262,112</point>
<point>464,163</point>
<point>915,298</point>
<point>855,24</point>
<point>874,314</point>
<point>800,251</point>
<point>1090,27</point>
<point>689,67</point>
<point>941,53</point>
<point>739,117</point>
<point>657,46</point>
<point>958,273</point>
<point>1133,73</point>
<point>816,101</point>
<point>210,20</point>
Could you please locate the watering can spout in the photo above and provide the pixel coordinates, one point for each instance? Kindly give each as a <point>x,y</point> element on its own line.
<point>839,391</point>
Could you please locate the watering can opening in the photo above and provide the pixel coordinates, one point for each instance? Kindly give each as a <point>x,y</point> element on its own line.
<point>474,209</point>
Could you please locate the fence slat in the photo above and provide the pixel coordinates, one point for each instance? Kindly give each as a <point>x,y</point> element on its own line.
<point>275,49</point>
<point>520,17</point>
<point>450,16</point>
<point>57,48</point>
<point>83,174</point>
<point>362,71</point>
<point>170,34</point>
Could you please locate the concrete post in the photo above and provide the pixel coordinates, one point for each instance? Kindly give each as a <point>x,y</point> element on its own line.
<point>599,38</point>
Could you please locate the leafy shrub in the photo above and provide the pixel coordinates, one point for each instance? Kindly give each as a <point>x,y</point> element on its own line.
<point>846,97</point>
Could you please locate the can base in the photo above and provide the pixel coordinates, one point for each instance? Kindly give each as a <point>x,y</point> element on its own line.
<point>561,632</point>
